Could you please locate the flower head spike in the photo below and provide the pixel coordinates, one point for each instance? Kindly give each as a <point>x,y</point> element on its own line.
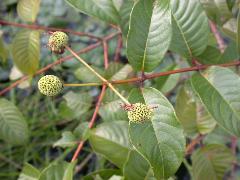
<point>57,42</point>
<point>50,85</point>
<point>139,113</point>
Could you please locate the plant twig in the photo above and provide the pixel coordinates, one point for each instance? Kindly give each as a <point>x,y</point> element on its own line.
<point>234,151</point>
<point>190,147</point>
<point>83,163</point>
<point>82,85</point>
<point>105,52</point>
<point>182,70</point>
<point>218,37</point>
<point>118,49</point>
<point>94,117</point>
<point>38,27</point>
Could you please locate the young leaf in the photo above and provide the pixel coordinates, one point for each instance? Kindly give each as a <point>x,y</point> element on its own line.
<point>86,76</point>
<point>217,10</point>
<point>111,111</point>
<point>167,83</point>
<point>190,28</point>
<point>111,140</point>
<point>137,167</point>
<point>3,50</point>
<point>218,89</point>
<point>82,131</point>
<point>13,127</point>
<point>63,171</point>
<point>211,55</point>
<point>211,162</point>
<point>103,173</point>
<point>149,33</point>
<point>79,103</point>
<point>29,173</point>
<point>193,116</point>
<point>67,140</point>
<point>28,9</point>
<point>26,51</point>
<point>102,9</point>
<point>160,141</point>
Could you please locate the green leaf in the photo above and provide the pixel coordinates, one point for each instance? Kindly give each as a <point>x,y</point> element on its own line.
<point>194,118</point>
<point>218,89</point>
<point>79,103</point>
<point>112,111</point>
<point>103,173</point>
<point>217,136</point>
<point>149,34</point>
<point>86,76</point>
<point>121,73</point>
<point>124,12</point>
<point>211,55</point>
<point>211,162</point>
<point>230,28</point>
<point>186,111</point>
<point>67,140</point>
<point>160,141</point>
<point>229,54</point>
<point>29,173</point>
<point>3,50</point>
<point>28,9</point>
<point>217,10</point>
<point>167,83</point>
<point>190,28</point>
<point>13,127</point>
<point>137,167</point>
<point>109,138</point>
<point>102,9</point>
<point>63,171</point>
<point>238,34</point>
<point>26,51</point>
<point>82,131</point>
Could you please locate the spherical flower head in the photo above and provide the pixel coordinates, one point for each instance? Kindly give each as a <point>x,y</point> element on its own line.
<point>57,42</point>
<point>140,113</point>
<point>50,85</point>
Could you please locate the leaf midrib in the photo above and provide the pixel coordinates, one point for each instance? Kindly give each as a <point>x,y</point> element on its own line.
<point>234,112</point>
<point>183,36</point>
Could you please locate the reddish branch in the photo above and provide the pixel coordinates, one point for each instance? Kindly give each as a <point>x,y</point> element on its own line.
<point>190,147</point>
<point>234,141</point>
<point>118,49</point>
<point>59,61</point>
<point>94,117</point>
<point>155,75</point>
<point>38,27</point>
<point>217,35</point>
<point>105,50</point>
<point>91,123</point>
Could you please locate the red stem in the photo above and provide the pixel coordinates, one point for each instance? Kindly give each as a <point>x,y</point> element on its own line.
<point>94,117</point>
<point>91,123</point>
<point>37,27</point>
<point>118,49</point>
<point>190,147</point>
<point>217,35</point>
<point>105,52</point>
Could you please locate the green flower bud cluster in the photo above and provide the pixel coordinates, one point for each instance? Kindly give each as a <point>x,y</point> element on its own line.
<point>139,113</point>
<point>50,85</point>
<point>57,42</point>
